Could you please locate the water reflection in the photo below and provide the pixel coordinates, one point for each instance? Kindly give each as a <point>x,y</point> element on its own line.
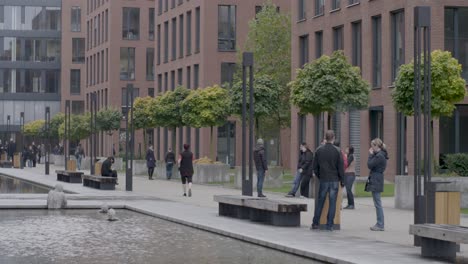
<point>14,185</point>
<point>85,236</point>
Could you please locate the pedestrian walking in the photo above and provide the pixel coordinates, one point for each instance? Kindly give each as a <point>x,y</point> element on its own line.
<point>30,155</point>
<point>25,156</point>
<point>350,176</point>
<point>328,167</point>
<point>186,169</point>
<point>42,151</point>
<point>150,161</point>
<point>304,172</point>
<point>79,155</point>
<point>260,165</point>
<point>11,148</point>
<point>34,154</point>
<point>377,163</point>
<point>169,159</point>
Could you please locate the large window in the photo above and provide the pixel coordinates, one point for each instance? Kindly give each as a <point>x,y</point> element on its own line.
<point>180,77</point>
<point>33,18</point>
<point>76,19</point>
<point>130,23</point>
<point>173,81</point>
<point>181,36</point>
<point>158,47</point>
<point>338,38</point>
<point>189,33</point>
<point>319,7</point>
<point>151,24</point>
<point>33,82</point>
<point>302,120</point>
<point>377,52</point>
<point>75,81</point>
<point>53,18</point>
<point>318,44</point>
<point>160,7</point>
<point>227,27</point>
<point>335,4</point>
<point>376,122</point>
<point>303,50</point>
<point>174,39</point>
<point>352,2</point>
<point>197,30</point>
<point>166,41</point>
<point>356,44</point>
<point>456,36</point>
<point>228,69</point>
<point>397,41</point>
<point>196,77</point>
<point>127,63</point>
<point>301,15</point>
<point>78,50</point>
<point>150,64</point>
<point>189,77</point>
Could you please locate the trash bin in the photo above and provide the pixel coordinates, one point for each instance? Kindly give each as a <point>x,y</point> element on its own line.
<point>444,200</point>
<point>71,165</point>
<point>326,206</point>
<point>17,160</point>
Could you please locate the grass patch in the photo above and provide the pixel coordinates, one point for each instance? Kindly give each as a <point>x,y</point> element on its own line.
<point>464,211</point>
<point>389,190</point>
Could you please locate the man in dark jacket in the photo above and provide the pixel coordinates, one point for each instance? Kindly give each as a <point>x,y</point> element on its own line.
<point>11,149</point>
<point>328,167</point>
<point>170,160</point>
<point>150,161</point>
<point>106,168</point>
<point>260,165</point>
<point>304,172</point>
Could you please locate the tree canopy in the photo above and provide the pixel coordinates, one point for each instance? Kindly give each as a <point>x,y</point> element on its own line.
<point>329,84</point>
<point>34,128</point>
<point>79,127</point>
<point>447,85</point>
<point>108,120</point>
<point>166,109</point>
<point>142,113</point>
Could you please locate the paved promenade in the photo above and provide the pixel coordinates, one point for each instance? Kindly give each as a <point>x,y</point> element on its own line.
<point>355,243</point>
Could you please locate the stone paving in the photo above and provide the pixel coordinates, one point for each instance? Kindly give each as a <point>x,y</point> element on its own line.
<point>355,243</point>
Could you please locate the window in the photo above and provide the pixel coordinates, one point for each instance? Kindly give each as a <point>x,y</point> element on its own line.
<point>179,2</point>
<point>127,63</point>
<point>76,19</point>
<point>52,84</point>
<point>173,83</point>
<point>376,122</point>
<point>302,128</point>
<point>158,39</point>
<point>172,4</point>
<point>376,51</point>
<point>77,107</point>
<point>301,15</point>
<point>78,50</point>
<point>166,5</point>
<point>53,18</point>
<point>456,36</point>
<point>107,64</point>
<point>180,77</point>
<point>107,25</point>
<point>189,33</point>
<point>181,36</point>
<point>160,85</point>
<point>151,92</point>
<point>75,81</point>
<point>166,81</point>
<point>397,41</point>
<point>166,42</point>
<point>196,77</point>
<point>227,27</point>
<point>335,4</point>
<point>303,50</point>
<point>189,78</point>
<point>356,42</point>
<point>228,70</point>
<point>318,44</point>
<point>151,24</point>
<point>319,7</point>
<point>160,7</point>
<point>174,39</point>
<point>131,23</point>
<point>136,94</point>
<point>197,30</point>
<point>338,38</point>
<point>150,64</point>
<point>352,2</point>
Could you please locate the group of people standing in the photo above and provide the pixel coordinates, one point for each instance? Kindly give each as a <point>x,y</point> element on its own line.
<point>8,148</point>
<point>33,154</point>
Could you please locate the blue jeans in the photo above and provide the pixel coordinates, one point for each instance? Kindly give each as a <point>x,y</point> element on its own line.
<point>332,189</point>
<point>296,183</point>
<point>169,167</point>
<point>78,161</point>
<point>378,209</point>
<point>260,179</point>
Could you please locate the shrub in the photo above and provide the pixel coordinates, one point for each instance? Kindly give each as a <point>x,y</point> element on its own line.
<point>457,163</point>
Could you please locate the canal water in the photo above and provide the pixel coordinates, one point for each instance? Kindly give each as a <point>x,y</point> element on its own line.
<point>14,185</point>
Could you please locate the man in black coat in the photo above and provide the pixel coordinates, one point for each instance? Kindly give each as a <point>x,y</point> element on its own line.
<point>304,172</point>
<point>11,149</point>
<point>106,168</point>
<point>260,165</point>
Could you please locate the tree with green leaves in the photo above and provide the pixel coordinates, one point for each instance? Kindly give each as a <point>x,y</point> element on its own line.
<point>143,117</point>
<point>34,128</point>
<point>208,107</point>
<point>55,123</point>
<point>329,84</point>
<point>108,120</point>
<point>79,127</point>
<point>447,85</point>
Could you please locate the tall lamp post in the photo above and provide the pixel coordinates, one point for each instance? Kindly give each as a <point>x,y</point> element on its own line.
<point>247,62</point>
<point>66,141</point>
<point>129,138</point>
<point>47,146</point>
<point>22,138</point>
<point>8,127</point>
<point>93,139</point>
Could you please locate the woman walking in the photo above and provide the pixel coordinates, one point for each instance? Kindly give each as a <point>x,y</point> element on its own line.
<point>377,163</point>
<point>350,176</point>
<point>150,162</point>
<point>186,169</point>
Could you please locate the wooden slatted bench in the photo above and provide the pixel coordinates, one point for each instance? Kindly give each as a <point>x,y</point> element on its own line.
<point>69,176</point>
<point>99,182</point>
<point>440,241</point>
<point>273,212</point>
<point>6,164</point>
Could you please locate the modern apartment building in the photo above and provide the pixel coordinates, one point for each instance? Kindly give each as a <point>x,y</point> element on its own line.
<point>377,36</point>
<point>196,45</point>
<point>30,57</point>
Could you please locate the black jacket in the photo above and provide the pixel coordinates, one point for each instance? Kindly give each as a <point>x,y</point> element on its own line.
<point>377,163</point>
<point>306,160</point>
<point>259,158</point>
<point>150,160</point>
<point>106,168</point>
<point>186,163</point>
<point>170,157</point>
<point>328,163</point>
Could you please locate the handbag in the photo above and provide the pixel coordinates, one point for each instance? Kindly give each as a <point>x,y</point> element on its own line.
<point>368,183</point>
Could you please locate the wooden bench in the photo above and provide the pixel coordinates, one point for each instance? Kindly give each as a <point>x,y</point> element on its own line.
<point>273,212</point>
<point>69,176</point>
<point>440,241</point>
<point>99,182</point>
<point>6,164</point>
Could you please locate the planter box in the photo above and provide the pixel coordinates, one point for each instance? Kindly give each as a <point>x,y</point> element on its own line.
<point>274,177</point>
<point>209,173</point>
<point>404,190</point>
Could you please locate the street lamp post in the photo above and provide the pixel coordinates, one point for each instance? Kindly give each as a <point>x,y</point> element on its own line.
<point>47,146</point>
<point>66,141</point>
<point>129,138</point>
<point>22,138</point>
<point>8,127</point>
<point>247,62</point>
<point>93,144</point>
